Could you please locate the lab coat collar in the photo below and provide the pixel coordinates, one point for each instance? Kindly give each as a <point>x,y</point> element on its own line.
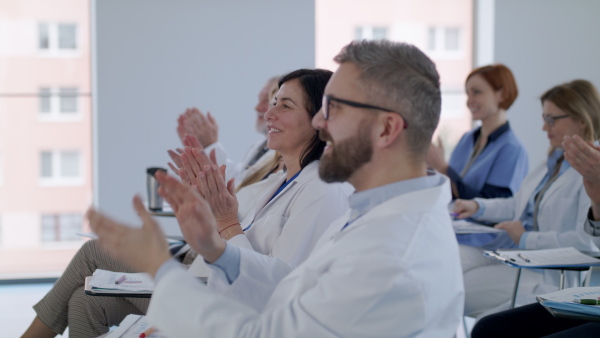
<point>413,202</point>
<point>265,199</point>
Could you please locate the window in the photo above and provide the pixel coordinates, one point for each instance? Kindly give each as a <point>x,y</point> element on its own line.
<point>444,42</point>
<point>370,33</point>
<point>46,47</point>
<point>59,104</point>
<point>453,104</point>
<point>451,42</point>
<point>45,100</point>
<point>60,168</point>
<point>67,34</point>
<point>44,36</point>
<point>57,39</point>
<point>68,100</point>
<point>61,227</point>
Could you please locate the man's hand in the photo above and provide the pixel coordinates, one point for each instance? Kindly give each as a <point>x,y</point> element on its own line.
<point>204,128</point>
<point>585,158</point>
<point>142,249</point>
<point>514,229</point>
<point>194,216</point>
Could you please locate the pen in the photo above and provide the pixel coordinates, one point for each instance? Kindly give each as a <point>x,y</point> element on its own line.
<point>454,214</point>
<point>147,332</point>
<point>524,258</point>
<point>499,256</point>
<point>120,280</point>
<point>589,301</point>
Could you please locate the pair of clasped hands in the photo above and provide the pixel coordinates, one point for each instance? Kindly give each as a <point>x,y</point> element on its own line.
<point>467,208</point>
<point>203,204</point>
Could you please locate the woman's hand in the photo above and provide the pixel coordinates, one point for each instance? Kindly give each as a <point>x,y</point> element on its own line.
<point>219,195</point>
<point>194,216</point>
<point>435,158</point>
<point>585,158</point>
<point>465,208</point>
<point>514,229</point>
<point>192,162</point>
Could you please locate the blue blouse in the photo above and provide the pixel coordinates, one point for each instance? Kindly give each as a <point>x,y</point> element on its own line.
<point>499,169</point>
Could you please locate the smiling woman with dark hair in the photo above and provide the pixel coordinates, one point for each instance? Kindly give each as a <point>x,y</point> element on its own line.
<point>286,222</point>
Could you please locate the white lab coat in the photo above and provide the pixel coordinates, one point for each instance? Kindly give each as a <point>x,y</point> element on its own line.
<point>562,211</point>
<point>288,226</point>
<point>248,195</point>
<point>239,170</point>
<point>394,272</point>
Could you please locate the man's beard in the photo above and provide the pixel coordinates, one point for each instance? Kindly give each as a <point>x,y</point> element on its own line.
<point>345,157</point>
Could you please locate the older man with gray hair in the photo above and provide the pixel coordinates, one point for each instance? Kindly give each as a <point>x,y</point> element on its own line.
<point>388,268</point>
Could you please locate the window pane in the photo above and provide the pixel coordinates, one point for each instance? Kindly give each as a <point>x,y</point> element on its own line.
<point>46,164</point>
<point>451,39</point>
<point>66,36</point>
<point>379,33</point>
<point>49,229</point>
<point>359,33</point>
<point>431,38</point>
<point>69,164</point>
<point>44,100</point>
<point>68,100</point>
<point>70,225</point>
<point>43,36</point>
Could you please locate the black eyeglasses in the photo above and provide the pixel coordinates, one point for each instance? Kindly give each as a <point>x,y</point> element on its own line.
<point>328,98</point>
<point>550,120</point>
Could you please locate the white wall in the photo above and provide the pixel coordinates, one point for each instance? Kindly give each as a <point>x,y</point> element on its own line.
<point>152,59</point>
<point>545,43</point>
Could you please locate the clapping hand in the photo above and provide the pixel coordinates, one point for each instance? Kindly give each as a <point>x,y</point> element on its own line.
<point>194,216</point>
<point>585,158</point>
<point>204,128</point>
<point>143,249</point>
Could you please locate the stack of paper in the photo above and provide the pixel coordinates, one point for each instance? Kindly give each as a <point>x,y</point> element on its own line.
<point>547,258</point>
<point>104,281</point>
<point>464,227</point>
<point>132,326</point>
<point>568,300</point>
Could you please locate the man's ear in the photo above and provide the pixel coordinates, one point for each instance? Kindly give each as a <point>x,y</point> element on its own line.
<point>391,126</point>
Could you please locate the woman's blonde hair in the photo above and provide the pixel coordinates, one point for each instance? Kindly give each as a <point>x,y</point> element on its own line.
<point>268,168</point>
<point>580,100</point>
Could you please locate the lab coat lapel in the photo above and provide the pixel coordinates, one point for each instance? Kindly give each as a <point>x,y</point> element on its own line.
<point>263,200</point>
<point>567,176</point>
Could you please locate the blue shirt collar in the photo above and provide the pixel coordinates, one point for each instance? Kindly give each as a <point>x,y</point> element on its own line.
<point>362,202</point>
<point>493,136</point>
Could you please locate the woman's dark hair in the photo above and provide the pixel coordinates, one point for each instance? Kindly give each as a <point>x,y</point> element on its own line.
<point>313,82</point>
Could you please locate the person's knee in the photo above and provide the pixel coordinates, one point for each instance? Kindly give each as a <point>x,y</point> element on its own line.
<point>484,328</point>
<point>79,301</point>
<point>90,246</point>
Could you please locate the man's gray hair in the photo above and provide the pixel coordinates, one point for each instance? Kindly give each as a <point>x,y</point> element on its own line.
<point>399,77</point>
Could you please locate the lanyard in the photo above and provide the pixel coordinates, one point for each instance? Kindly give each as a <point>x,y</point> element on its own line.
<point>285,184</point>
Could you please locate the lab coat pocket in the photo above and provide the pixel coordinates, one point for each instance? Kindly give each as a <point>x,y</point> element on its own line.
<point>265,231</point>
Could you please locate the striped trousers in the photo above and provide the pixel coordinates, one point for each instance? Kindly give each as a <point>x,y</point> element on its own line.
<point>66,304</point>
